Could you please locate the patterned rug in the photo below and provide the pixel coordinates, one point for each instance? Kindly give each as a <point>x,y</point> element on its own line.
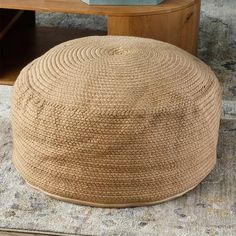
<point>210,209</point>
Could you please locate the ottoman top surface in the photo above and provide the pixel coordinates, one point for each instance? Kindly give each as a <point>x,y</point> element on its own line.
<point>117,72</point>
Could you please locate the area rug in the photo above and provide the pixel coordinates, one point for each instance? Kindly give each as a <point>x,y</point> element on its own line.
<point>210,209</point>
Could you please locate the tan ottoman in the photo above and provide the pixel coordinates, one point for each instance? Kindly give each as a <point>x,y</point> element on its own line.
<point>115,121</point>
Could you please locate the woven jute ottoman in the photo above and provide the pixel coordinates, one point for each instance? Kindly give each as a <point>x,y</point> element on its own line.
<point>115,121</point>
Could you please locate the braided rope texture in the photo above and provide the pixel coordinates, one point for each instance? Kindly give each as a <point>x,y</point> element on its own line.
<point>115,121</point>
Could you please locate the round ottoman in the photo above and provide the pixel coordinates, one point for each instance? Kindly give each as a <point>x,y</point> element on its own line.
<point>115,121</point>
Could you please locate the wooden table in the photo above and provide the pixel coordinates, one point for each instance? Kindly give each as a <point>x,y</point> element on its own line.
<point>173,21</point>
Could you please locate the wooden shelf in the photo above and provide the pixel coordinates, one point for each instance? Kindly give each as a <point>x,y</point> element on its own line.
<point>77,6</point>
<point>22,45</point>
